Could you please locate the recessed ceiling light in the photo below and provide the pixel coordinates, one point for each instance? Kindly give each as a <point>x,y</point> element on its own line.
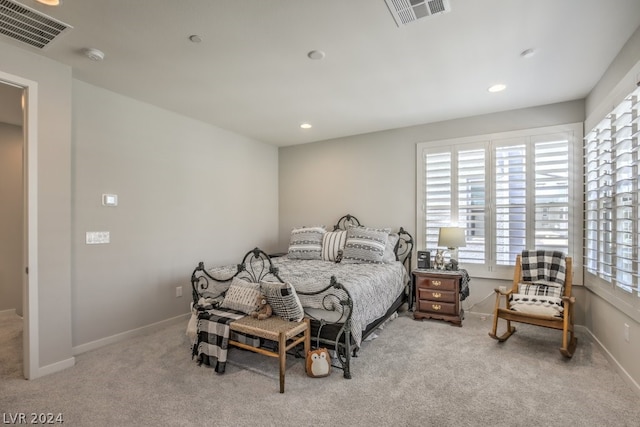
<point>316,54</point>
<point>497,88</point>
<point>306,126</point>
<point>50,2</point>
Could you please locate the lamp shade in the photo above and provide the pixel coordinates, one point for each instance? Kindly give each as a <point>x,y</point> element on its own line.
<point>452,237</point>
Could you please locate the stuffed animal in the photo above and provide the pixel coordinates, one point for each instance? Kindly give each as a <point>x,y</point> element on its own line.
<point>318,363</point>
<point>264,310</point>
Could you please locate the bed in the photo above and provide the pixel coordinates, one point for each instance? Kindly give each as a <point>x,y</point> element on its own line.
<point>345,289</point>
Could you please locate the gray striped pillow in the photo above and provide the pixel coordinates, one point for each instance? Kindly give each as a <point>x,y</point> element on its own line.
<point>332,243</point>
<point>365,245</point>
<point>306,243</point>
<point>283,299</point>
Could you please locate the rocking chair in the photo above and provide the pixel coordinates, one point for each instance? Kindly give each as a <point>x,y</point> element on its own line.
<point>540,295</point>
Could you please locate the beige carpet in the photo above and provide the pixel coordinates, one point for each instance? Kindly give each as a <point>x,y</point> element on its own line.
<point>416,373</point>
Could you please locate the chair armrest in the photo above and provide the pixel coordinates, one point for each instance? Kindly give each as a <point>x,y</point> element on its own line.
<point>505,293</point>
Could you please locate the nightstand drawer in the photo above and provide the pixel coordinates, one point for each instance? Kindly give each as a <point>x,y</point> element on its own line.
<point>437,295</point>
<point>445,284</point>
<point>437,307</point>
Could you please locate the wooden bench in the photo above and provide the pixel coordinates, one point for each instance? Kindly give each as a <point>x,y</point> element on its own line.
<point>287,334</point>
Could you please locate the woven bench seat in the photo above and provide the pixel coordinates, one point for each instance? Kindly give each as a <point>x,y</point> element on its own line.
<point>287,334</point>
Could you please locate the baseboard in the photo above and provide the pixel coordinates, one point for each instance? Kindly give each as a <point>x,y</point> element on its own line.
<point>616,365</point>
<point>54,367</point>
<point>129,334</point>
<point>9,311</point>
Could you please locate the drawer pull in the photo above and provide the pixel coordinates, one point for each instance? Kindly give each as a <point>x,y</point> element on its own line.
<point>436,294</point>
<point>436,282</point>
<point>436,306</point>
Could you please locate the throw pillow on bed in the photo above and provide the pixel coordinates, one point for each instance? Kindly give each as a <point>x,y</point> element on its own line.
<point>283,300</point>
<point>332,243</point>
<point>365,245</point>
<point>306,243</point>
<point>241,296</point>
<point>389,250</point>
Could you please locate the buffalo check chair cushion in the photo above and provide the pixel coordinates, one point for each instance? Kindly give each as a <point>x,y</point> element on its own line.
<point>543,276</point>
<point>546,267</point>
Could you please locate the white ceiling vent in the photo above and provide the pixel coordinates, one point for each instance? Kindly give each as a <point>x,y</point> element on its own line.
<point>28,25</point>
<point>406,11</point>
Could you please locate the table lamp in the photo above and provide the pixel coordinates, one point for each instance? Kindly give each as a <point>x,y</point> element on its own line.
<point>452,238</point>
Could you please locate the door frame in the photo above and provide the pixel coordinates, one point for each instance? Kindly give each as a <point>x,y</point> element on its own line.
<point>30,336</point>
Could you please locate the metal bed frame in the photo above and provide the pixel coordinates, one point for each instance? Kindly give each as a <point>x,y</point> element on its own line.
<point>256,266</point>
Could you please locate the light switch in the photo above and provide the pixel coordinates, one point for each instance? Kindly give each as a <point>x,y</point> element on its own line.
<point>109,200</point>
<point>97,237</point>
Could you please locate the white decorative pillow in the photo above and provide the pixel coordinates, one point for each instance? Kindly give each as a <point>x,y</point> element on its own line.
<point>332,243</point>
<point>365,245</point>
<point>241,296</point>
<point>389,253</point>
<point>306,243</point>
<point>283,300</point>
<point>535,304</point>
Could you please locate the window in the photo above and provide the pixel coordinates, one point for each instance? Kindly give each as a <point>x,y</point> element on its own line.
<point>510,191</point>
<point>612,200</point>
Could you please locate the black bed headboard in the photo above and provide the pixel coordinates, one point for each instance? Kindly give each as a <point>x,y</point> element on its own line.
<point>403,249</point>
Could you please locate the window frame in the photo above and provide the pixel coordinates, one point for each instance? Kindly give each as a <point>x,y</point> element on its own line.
<point>490,269</point>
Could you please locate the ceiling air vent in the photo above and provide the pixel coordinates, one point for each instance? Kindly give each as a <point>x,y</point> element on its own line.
<point>406,11</point>
<point>28,25</point>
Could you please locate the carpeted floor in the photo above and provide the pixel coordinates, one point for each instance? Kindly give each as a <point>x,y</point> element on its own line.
<point>416,373</point>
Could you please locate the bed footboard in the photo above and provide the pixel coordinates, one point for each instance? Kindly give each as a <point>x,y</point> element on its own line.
<point>336,299</point>
<point>255,267</point>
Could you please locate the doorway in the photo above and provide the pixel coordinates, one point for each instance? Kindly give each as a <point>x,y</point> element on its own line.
<point>11,227</point>
<point>18,136</point>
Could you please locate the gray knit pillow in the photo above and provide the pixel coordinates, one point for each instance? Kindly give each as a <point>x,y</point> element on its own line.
<point>306,243</point>
<point>283,300</point>
<point>241,296</point>
<point>365,245</point>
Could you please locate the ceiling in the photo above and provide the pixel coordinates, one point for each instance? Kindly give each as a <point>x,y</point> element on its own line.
<point>251,74</point>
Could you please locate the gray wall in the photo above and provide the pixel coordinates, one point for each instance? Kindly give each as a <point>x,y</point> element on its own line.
<point>373,176</point>
<point>187,192</point>
<point>53,198</point>
<point>11,214</point>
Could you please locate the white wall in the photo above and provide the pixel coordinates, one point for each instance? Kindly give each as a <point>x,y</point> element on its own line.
<point>11,214</point>
<point>187,192</point>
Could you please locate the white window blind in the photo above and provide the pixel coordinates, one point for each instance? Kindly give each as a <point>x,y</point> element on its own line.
<point>612,199</point>
<point>508,192</point>
<point>472,201</point>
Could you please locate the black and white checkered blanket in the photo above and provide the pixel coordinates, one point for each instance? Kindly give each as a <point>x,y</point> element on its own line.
<point>548,267</point>
<point>212,339</point>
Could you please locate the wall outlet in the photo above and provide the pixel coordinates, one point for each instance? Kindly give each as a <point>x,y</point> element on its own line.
<point>626,332</point>
<point>178,291</point>
<point>97,237</point>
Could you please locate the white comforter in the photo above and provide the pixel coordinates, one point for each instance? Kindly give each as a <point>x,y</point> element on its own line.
<point>373,287</point>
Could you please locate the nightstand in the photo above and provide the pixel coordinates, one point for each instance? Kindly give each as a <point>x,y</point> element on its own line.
<point>437,295</point>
